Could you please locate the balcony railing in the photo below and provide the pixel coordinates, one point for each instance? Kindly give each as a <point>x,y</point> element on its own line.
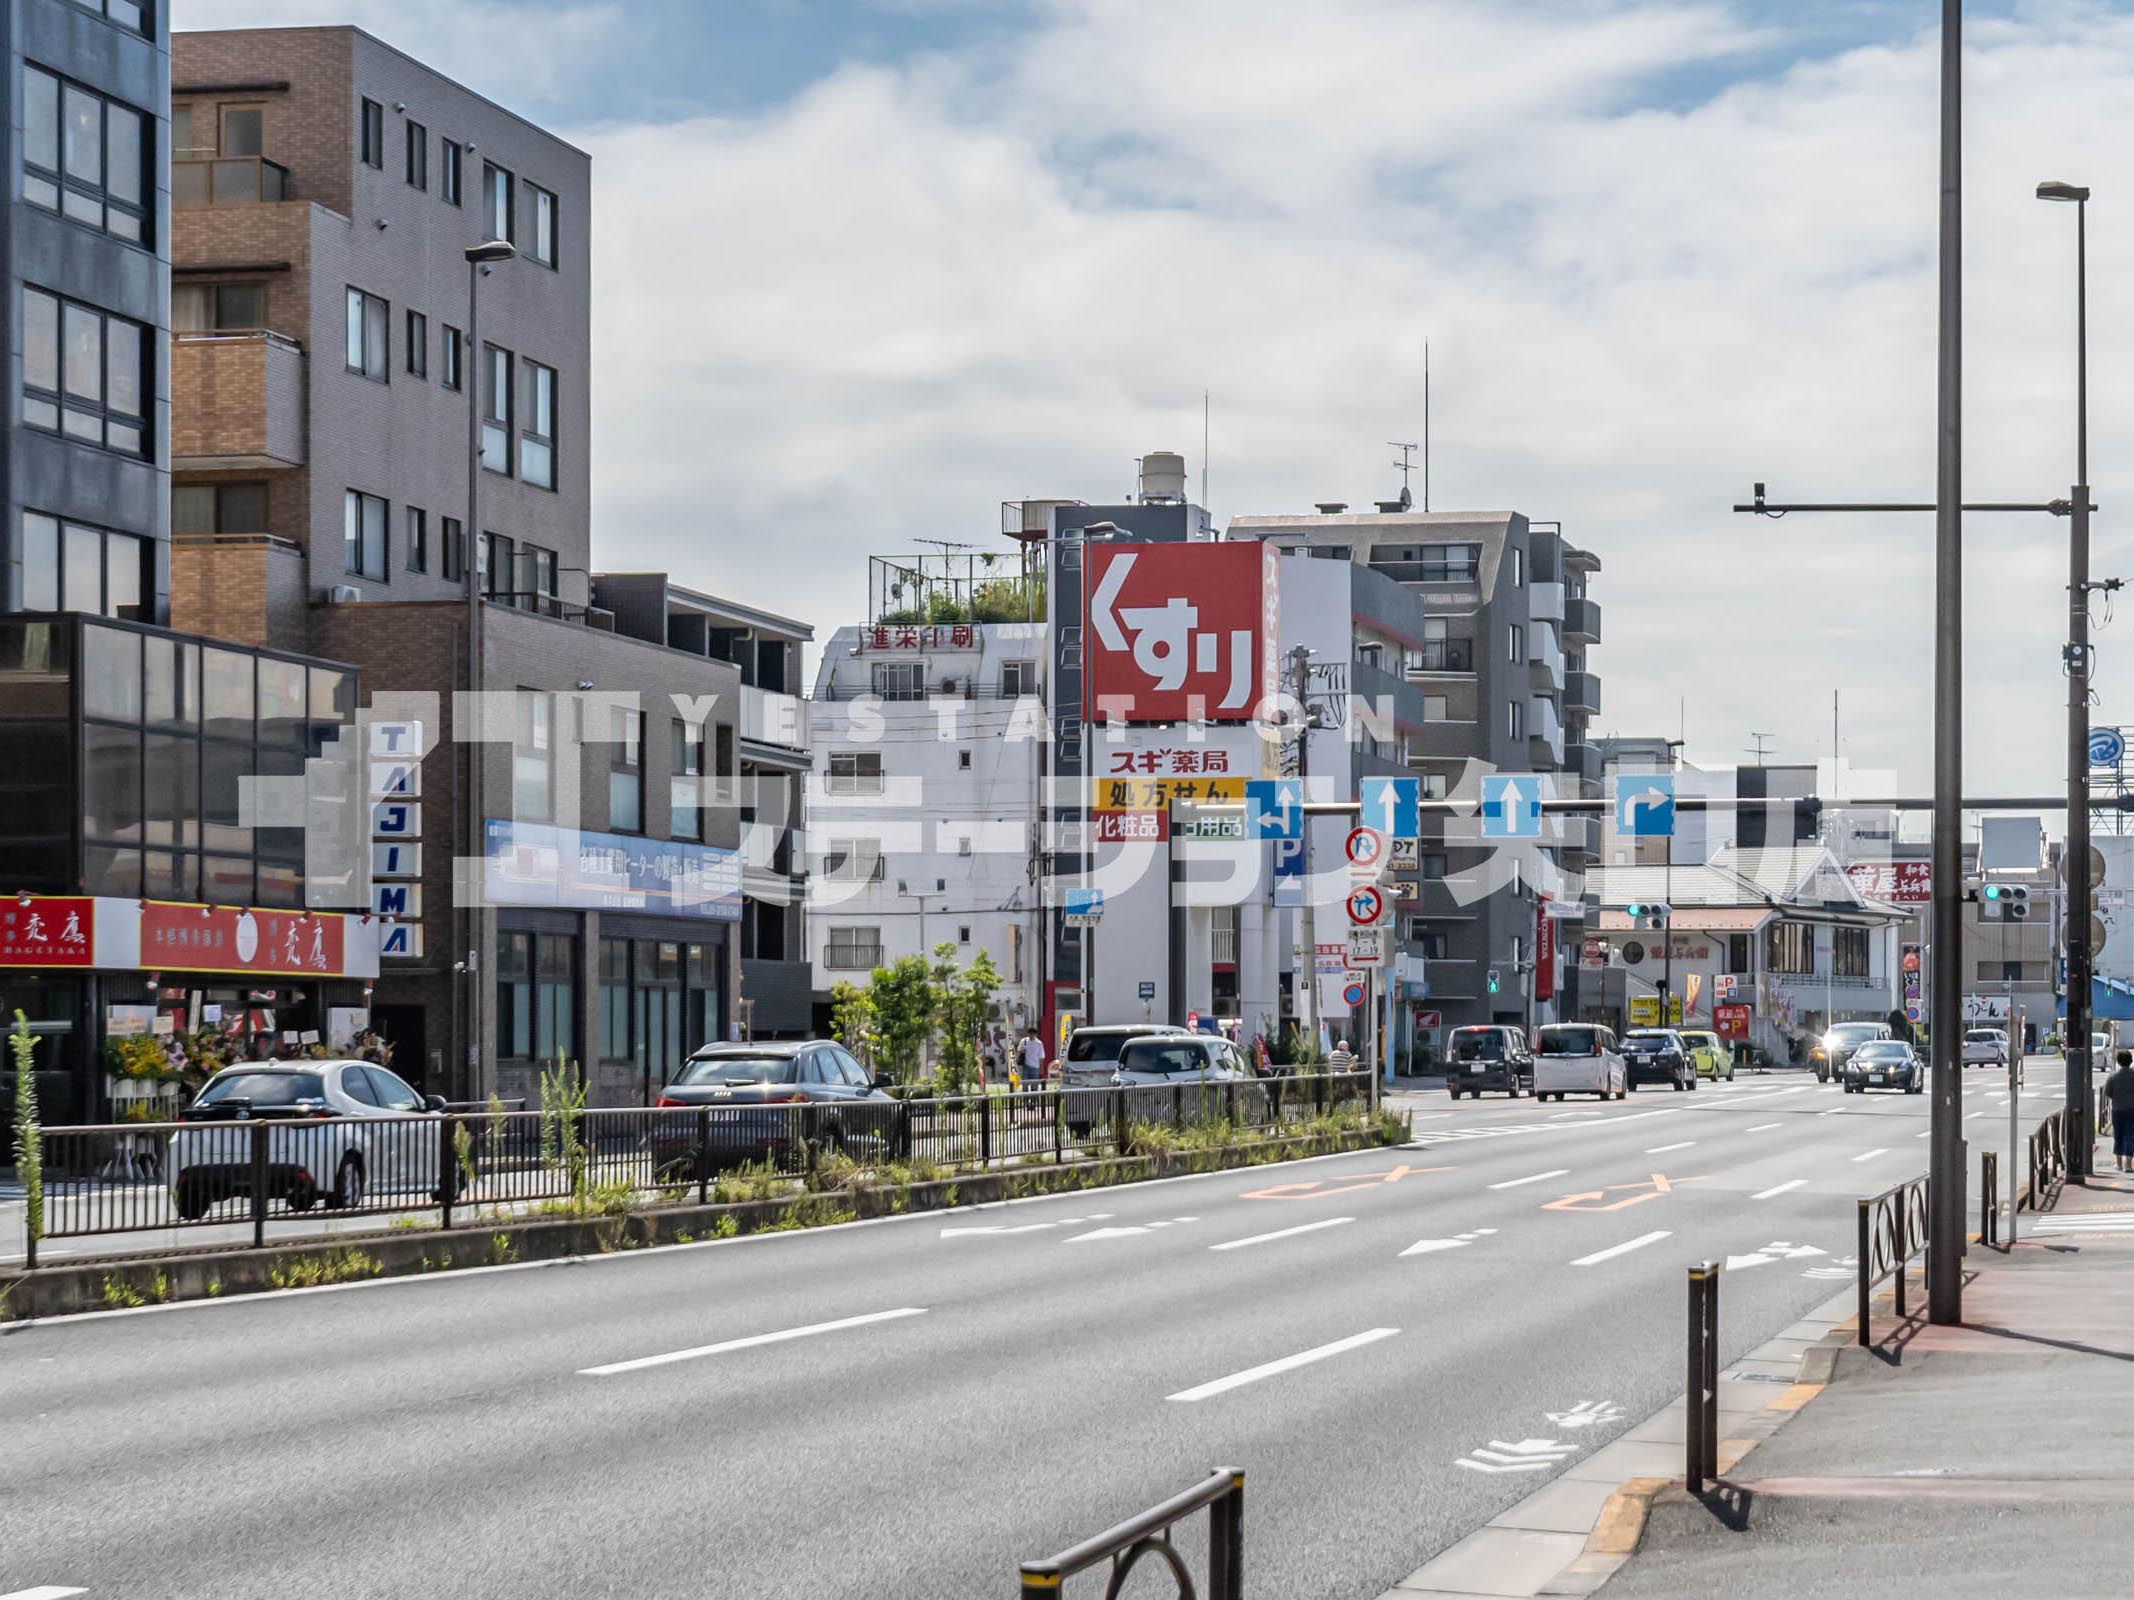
<point>240,400</point>
<point>851,957</point>
<point>769,718</point>
<point>197,181</point>
<point>1581,692</point>
<point>1441,655</point>
<point>1582,621</point>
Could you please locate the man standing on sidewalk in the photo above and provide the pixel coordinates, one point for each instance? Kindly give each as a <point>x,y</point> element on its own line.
<point>2119,1095</point>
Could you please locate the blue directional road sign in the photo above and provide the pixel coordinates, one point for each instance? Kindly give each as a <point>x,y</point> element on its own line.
<point>1274,808</point>
<point>1645,805</point>
<point>1393,806</point>
<point>1288,871</point>
<point>1511,806</point>
<point>2108,746</point>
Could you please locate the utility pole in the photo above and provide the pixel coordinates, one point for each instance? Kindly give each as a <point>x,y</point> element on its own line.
<point>1300,668</point>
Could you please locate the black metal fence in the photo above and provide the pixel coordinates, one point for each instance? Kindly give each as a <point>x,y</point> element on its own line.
<point>1893,1229</point>
<point>149,1177</point>
<point>1989,1197</point>
<point>1148,1536</point>
<point>2047,1166</point>
<point>1701,1433</point>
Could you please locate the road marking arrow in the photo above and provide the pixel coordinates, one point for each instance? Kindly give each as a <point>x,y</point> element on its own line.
<point>1528,1455</point>
<point>1588,1414</point>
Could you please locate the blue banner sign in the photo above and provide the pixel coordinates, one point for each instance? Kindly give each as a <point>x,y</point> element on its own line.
<point>533,864</point>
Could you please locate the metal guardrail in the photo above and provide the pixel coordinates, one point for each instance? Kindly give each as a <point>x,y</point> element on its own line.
<point>1149,1536</point>
<point>1701,1435</point>
<point>1893,1229</point>
<point>2047,1155</point>
<point>135,1177</point>
<point>1989,1197</point>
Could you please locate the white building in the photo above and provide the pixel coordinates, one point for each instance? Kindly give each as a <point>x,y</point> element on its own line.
<point>923,815</point>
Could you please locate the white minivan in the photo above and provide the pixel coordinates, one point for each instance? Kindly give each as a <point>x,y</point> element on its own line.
<point>1578,1058</point>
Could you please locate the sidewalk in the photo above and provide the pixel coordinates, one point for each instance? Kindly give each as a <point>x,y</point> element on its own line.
<point>1990,1459</point>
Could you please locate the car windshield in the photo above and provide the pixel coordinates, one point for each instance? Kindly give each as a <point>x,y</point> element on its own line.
<point>1855,1032</point>
<point>1883,1050</point>
<point>1087,1046</point>
<point>1983,1036</point>
<point>1649,1041</point>
<point>265,1088</point>
<point>1483,1044</point>
<point>740,1069</point>
<point>1161,1055</point>
<point>1568,1042</point>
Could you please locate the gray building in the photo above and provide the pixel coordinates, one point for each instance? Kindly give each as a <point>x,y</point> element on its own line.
<point>1476,627</point>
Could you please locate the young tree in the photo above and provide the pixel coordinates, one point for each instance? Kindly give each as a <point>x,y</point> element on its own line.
<point>852,1019</point>
<point>903,1001</point>
<point>29,1135</point>
<point>963,1001</point>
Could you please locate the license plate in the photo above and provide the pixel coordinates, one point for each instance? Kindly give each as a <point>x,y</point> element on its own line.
<point>1874,1077</point>
<point>1476,1067</point>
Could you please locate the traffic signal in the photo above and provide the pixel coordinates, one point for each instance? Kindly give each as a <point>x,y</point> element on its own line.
<point>1495,982</point>
<point>2015,902</point>
<point>1649,913</point>
<point>1993,903</point>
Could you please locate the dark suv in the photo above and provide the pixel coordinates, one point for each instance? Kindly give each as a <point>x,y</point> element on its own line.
<point>762,1100</point>
<point>1659,1055</point>
<point>1493,1058</point>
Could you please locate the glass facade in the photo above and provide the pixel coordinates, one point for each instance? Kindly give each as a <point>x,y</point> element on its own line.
<point>659,1001</point>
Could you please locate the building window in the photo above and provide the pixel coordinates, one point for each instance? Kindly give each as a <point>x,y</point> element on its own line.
<point>453,551</point>
<point>131,13</point>
<point>218,307</point>
<point>1430,865</point>
<point>1439,651</point>
<point>1434,943</point>
<point>1434,785</point>
<point>493,574</point>
<point>418,156</point>
<point>854,861</point>
<point>369,335</point>
<point>626,773</point>
<point>854,949</point>
<point>855,772</point>
<point>418,336</point>
<point>1436,708</point>
<point>454,168</point>
<point>451,355</point>
<point>85,373</point>
<point>537,445</point>
<point>73,567</point>
<point>1515,644</point>
<point>1737,953</point>
<point>963,933</point>
<point>537,571</point>
<point>1515,719</point>
<point>496,409</point>
<point>373,135</point>
<point>536,996</point>
<point>1789,947</point>
<point>900,680</point>
<point>685,787</point>
<point>722,761</point>
<point>499,203</point>
<point>963,761</point>
<point>363,535</point>
<point>532,755</point>
<point>85,156</point>
<point>544,225</point>
<point>1017,679</point>
<point>1849,950</point>
<point>211,508</point>
<point>415,552</point>
<point>243,131</point>
<point>1448,563</point>
<point>1518,568</point>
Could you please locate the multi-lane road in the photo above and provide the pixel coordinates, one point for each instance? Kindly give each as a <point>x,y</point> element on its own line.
<point>1394,1344</point>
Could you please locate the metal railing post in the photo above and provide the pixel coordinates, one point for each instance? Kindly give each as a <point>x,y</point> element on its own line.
<point>1989,1200</point>
<point>1118,1121</point>
<point>1867,1266</point>
<point>447,1169</point>
<point>259,1185</point>
<point>1903,1247</point>
<point>703,1155</point>
<point>985,1130</point>
<point>1226,1543</point>
<point>1701,1434</point>
<point>1059,1126</point>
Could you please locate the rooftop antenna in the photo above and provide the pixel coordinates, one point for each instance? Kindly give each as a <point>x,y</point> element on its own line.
<point>1204,407</point>
<point>1762,742</point>
<point>946,545</point>
<point>1426,425</point>
<point>1406,463</point>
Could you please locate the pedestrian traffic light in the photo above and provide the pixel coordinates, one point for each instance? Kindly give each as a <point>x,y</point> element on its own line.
<point>1495,982</point>
<point>1993,903</point>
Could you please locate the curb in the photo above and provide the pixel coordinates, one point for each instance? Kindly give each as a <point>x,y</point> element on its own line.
<point>132,1282</point>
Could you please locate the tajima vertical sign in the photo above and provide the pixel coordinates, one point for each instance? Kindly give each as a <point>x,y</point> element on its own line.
<point>1179,632</point>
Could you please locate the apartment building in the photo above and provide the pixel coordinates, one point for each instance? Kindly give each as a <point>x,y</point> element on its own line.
<point>144,900</point>
<point>336,414</point>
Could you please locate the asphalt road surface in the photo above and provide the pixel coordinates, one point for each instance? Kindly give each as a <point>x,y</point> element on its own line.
<point>909,1408</point>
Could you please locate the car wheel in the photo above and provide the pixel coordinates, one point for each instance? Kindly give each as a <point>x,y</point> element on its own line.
<point>303,1197</point>
<point>1454,1093</point>
<point>192,1198</point>
<point>448,1191</point>
<point>348,1185</point>
<point>1630,1086</point>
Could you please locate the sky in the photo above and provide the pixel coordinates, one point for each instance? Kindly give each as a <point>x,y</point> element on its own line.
<point>867,268</point>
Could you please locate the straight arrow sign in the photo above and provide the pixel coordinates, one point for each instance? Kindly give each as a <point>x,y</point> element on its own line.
<point>1528,1455</point>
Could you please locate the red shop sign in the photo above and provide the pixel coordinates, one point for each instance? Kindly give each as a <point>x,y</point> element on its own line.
<point>1179,632</point>
<point>189,938</point>
<point>48,932</point>
<point>1731,1022</point>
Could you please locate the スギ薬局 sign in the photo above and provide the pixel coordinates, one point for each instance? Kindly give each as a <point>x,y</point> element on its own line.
<point>1178,632</point>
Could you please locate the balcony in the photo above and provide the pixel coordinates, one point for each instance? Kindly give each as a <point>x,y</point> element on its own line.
<point>1582,621</point>
<point>1544,731</point>
<point>237,402</point>
<point>1545,602</point>
<point>200,181</point>
<point>771,718</point>
<point>1584,761</point>
<point>1582,692</point>
<point>1580,836</point>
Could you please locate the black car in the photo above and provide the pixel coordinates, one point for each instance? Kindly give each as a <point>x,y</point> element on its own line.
<point>1489,1057</point>
<point>1884,1064</point>
<point>1658,1055</point>
<point>764,1102</point>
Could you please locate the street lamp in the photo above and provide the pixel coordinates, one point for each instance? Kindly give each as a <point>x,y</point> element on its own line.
<point>481,258</point>
<point>2077,1050</point>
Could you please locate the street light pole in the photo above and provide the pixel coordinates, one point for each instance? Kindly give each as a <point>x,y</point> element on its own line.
<point>2076,1051</point>
<point>480,258</point>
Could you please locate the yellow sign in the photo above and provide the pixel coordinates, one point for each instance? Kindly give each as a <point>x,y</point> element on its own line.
<point>1156,794</point>
<point>1645,1010</point>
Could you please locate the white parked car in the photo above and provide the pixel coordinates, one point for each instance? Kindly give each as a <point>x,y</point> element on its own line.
<point>1159,1062</point>
<point>1578,1058</point>
<point>1985,1047</point>
<point>336,1131</point>
<point>1092,1054</point>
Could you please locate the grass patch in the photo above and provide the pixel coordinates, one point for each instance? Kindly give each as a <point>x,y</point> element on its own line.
<point>120,1295</point>
<point>342,1266</point>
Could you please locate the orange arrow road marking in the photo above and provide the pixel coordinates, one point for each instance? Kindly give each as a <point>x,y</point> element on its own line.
<point>1319,1190</point>
<point>1652,1189</point>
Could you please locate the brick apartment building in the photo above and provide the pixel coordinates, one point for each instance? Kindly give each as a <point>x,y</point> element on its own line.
<point>325,191</point>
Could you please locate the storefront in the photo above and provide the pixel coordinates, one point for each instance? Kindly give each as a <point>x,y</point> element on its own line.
<point>133,1002</point>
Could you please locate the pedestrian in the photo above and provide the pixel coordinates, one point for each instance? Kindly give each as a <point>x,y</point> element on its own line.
<point>2119,1095</point>
<point>1031,1053</point>
<point>1341,1058</point>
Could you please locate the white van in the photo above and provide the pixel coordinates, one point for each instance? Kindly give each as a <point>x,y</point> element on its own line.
<point>1578,1058</point>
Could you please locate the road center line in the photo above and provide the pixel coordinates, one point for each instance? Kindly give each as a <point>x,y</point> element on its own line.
<point>1283,1233</point>
<point>1869,1155</point>
<point>1781,1189</point>
<point>1513,1183</point>
<point>50,1591</point>
<point>748,1343</point>
<point>1762,1127</point>
<point>1662,1149</point>
<point>1639,1243</point>
<point>1302,1358</point>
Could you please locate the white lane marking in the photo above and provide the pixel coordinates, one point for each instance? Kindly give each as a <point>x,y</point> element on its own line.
<point>1528,1455</point>
<point>1869,1155</point>
<point>50,1591</point>
<point>1924,1133</point>
<point>1424,1247</point>
<point>1513,1183</point>
<point>1762,1127</point>
<point>1662,1149</point>
<point>1639,1243</point>
<point>1125,1232</point>
<point>1777,1250</point>
<point>749,1343</point>
<point>1781,1189</point>
<point>1302,1358</point>
<point>1283,1233</point>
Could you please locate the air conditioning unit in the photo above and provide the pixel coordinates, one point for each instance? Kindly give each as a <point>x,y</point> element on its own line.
<point>344,594</point>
